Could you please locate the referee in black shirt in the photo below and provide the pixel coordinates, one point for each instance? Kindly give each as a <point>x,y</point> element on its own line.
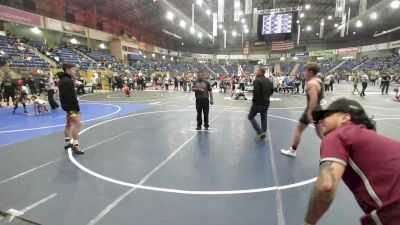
<point>262,91</point>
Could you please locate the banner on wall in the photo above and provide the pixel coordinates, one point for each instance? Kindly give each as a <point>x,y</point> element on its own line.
<point>173,53</point>
<point>237,57</point>
<point>19,16</point>
<point>375,47</point>
<point>215,24</point>
<point>222,56</point>
<point>186,54</point>
<point>236,11</point>
<point>160,50</point>
<point>323,52</point>
<point>259,43</point>
<point>203,56</point>
<point>146,47</point>
<point>297,54</point>
<point>394,44</point>
<point>57,25</point>
<point>347,50</point>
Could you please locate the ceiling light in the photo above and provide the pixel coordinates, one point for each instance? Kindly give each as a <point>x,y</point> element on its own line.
<point>307,7</point>
<point>329,17</point>
<point>35,30</point>
<point>153,55</point>
<point>182,23</point>
<point>172,58</point>
<point>243,20</point>
<point>192,30</point>
<point>336,25</point>
<point>339,8</point>
<point>240,13</point>
<point>395,4</point>
<point>163,56</point>
<point>317,34</point>
<point>308,28</point>
<point>199,2</point>
<point>103,46</point>
<point>322,23</point>
<point>354,33</point>
<point>140,52</point>
<point>295,58</point>
<point>244,25</point>
<point>234,33</point>
<point>74,41</point>
<point>297,21</point>
<point>144,56</point>
<point>302,15</point>
<point>220,26</point>
<point>282,58</point>
<point>170,16</point>
<point>359,23</point>
<point>200,35</point>
<point>246,31</point>
<point>183,44</point>
<point>208,12</point>
<point>373,16</point>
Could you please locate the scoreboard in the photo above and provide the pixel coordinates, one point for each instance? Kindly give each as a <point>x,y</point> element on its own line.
<point>277,23</point>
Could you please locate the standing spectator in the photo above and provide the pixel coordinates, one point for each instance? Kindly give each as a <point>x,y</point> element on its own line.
<point>241,83</point>
<point>364,83</point>
<point>385,83</point>
<point>204,97</point>
<point>297,82</point>
<point>176,84</point>
<point>166,83</point>
<point>69,103</point>
<point>303,83</point>
<point>31,85</point>
<point>9,89</point>
<point>50,86</point>
<point>263,89</point>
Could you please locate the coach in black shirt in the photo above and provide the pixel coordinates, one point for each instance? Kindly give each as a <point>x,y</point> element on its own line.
<point>262,91</point>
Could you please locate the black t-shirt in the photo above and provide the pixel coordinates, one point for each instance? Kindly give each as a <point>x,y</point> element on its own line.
<point>385,79</point>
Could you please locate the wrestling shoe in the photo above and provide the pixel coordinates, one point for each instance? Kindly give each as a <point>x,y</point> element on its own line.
<point>289,152</point>
<point>66,147</point>
<point>77,150</point>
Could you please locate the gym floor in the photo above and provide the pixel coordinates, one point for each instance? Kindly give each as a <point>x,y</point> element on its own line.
<point>145,164</point>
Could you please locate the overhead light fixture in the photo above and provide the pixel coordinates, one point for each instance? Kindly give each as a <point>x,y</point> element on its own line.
<point>243,20</point>
<point>395,4</point>
<point>200,35</point>
<point>302,15</point>
<point>74,41</point>
<point>298,21</point>
<point>170,16</point>
<point>322,23</point>
<point>163,56</point>
<point>103,46</point>
<point>199,2</point>
<point>144,56</point>
<point>182,23</point>
<point>220,26</point>
<point>182,44</point>
<point>224,31</point>
<point>282,58</point>
<point>172,58</point>
<point>140,52</point>
<point>329,17</point>
<point>373,16</point>
<point>208,12</point>
<point>234,33</point>
<point>295,58</point>
<point>35,30</point>
<point>192,30</point>
<point>307,7</point>
<point>359,23</point>
<point>339,8</point>
<point>240,13</point>
<point>354,33</point>
<point>317,34</point>
<point>308,28</point>
<point>246,31</point>
<point>153,55</point>
<point>336,25</point>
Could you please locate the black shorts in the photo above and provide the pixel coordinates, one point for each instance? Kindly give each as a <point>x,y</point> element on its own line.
<point>303,119</point>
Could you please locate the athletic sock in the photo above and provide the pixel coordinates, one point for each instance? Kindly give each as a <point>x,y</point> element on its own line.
<point>76,142</point>
<point>67,141</point>
<point>294,147</point>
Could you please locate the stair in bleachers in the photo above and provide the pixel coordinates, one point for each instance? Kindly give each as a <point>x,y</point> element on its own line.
<point>295,68</point>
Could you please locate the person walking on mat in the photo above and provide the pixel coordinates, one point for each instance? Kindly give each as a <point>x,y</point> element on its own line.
<point>204,97</point>
<point>368,163</point>
<point>69,103</point>
<point>262,91</point>
<point>315,93</point>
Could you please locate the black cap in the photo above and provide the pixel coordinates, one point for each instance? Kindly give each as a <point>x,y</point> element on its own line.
<point>341,105</point>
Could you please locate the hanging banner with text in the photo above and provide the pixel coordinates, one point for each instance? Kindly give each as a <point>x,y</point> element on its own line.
<point>347,50</point>
<point>18,16</point>
<point>323,52</point>
<point>221,11</point>
<point>215,24</point>
<point>248,7</point>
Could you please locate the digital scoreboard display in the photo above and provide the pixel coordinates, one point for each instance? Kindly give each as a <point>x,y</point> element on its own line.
<point>277,23</point>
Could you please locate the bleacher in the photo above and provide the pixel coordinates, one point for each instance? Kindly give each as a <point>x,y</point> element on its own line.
<point>327,65</point>
<point>287,67</point>
<point>216,68</point>
<point>18,57</point>
<point>248,68</point>
<point>232,69</point>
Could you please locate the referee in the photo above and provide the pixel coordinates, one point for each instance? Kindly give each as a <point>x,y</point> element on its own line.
<point>204,98</point>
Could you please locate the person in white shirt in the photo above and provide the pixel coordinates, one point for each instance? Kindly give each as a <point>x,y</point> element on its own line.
<point>364,82</point>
